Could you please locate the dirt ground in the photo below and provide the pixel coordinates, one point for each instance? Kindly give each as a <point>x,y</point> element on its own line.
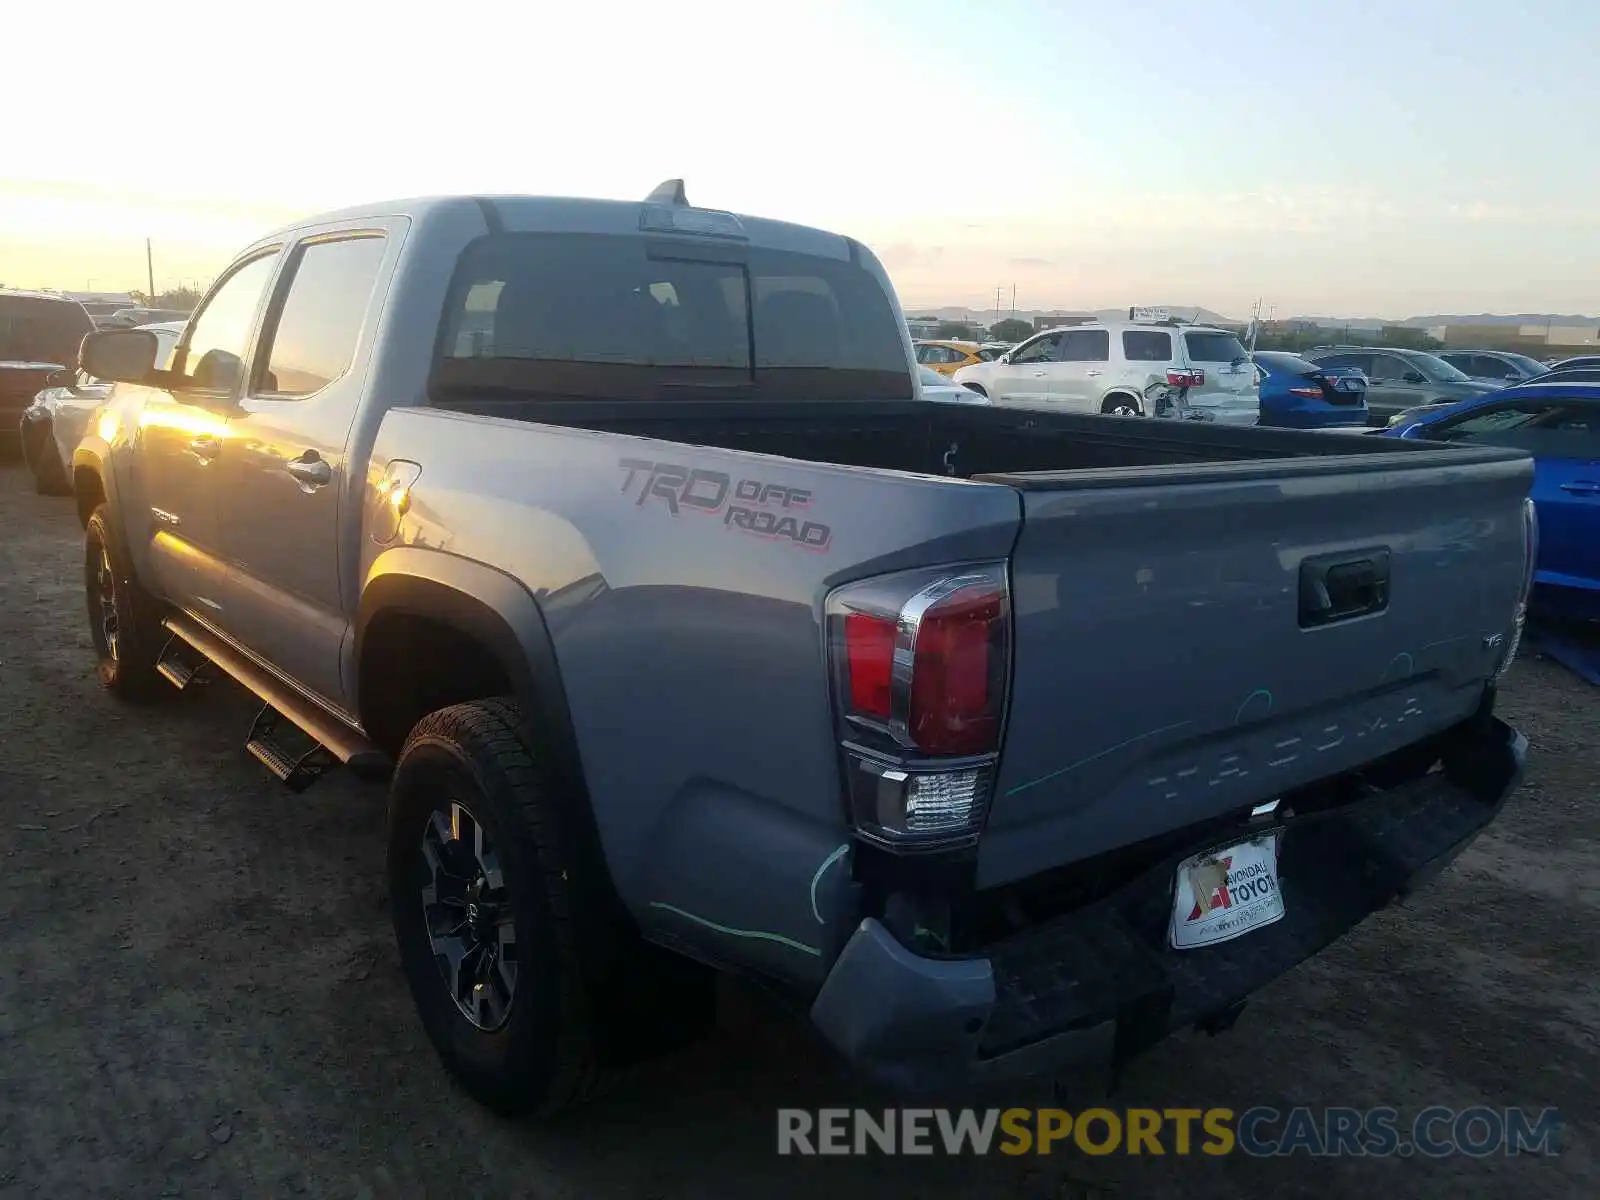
<point>199,992</point>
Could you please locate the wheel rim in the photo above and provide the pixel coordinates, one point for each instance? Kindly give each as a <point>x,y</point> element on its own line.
<point>1123,408</point>
<point>466,910</point>
<point>105,591</point>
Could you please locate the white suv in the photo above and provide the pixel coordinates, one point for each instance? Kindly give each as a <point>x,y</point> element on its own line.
<point>1117,367</point>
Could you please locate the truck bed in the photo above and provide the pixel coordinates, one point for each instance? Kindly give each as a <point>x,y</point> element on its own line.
<point>934,439</point>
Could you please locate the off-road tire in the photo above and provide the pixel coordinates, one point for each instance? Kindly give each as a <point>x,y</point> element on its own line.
<point>128,669</point>
<point>543,1058</point>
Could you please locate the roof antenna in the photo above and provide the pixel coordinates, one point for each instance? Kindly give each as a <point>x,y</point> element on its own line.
<point>668,192</point>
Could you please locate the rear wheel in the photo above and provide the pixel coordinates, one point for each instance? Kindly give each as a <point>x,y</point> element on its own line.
<point>485,889</point>
<point>124,619</point>
<point>1121,406</point>
<point>530,981</point>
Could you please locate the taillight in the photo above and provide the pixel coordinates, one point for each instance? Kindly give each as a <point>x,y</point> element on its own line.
<point>921,663</point>
<point>1186,377</point>
<point>1530,562</point>
<point>869,650</point>
<point>1314,393</point>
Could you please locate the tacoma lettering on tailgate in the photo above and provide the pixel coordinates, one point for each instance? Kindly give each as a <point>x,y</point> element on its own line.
<point>754,506</point>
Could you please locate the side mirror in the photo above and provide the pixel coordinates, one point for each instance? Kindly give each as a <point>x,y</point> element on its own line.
<point>1004,358</point>
<point>119,355</point>
<point>59,379</point>
<point>1414,377</point>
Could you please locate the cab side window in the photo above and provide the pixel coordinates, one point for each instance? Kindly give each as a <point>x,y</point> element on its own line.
<point>219,335</point>
<point>312,339</point>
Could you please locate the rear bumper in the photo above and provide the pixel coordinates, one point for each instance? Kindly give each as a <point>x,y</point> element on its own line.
<point>1093,988</point>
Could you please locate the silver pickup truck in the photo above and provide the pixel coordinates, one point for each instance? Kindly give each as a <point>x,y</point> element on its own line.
<point>691,637</point>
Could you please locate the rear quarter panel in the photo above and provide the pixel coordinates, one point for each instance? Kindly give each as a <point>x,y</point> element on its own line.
<point>691,649</point>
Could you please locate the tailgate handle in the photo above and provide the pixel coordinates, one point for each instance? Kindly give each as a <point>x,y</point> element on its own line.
<point>1339,587</point>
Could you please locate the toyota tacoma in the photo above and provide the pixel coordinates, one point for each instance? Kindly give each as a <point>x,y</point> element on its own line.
<point>690,637</point>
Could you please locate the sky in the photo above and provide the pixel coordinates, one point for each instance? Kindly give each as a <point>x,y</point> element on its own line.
<point>1340,159</point>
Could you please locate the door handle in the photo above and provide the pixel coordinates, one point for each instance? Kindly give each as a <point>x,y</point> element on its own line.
<point>1039,374</point>
<point>1582,487</point>
<point>310,470</point>
<point>1092,374</point>
<point>205,447</point>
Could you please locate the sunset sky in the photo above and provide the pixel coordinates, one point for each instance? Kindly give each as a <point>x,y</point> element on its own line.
<point>1334,158</point>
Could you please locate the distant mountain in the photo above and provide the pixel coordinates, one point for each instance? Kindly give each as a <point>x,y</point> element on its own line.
<point>1492,319</point>
<point>1435,319</point>
<point>987,317</point>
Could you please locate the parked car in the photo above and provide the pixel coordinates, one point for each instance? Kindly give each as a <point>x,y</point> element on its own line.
<point>1401,379</point>
<point>946,357</point>
<point>693,638</point>
<point>1569,375</point>
<point>53,424</point>
<point>1559,424</point>
<point>132,318</point>
<point>39,336</point>
<point>1299,394</point>
<point>933,386</point>
<point>1498,367</point>
<point>1108,368</point>
<point>1577,362</point>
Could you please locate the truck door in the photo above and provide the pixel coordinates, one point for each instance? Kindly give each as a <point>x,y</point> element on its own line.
<point>286,477</point>
<point>183,438</point>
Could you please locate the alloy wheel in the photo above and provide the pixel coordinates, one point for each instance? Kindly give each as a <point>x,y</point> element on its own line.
<point>467,912</point>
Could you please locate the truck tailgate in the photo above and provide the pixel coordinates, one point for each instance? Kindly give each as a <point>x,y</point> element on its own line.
<point>1176,657</point>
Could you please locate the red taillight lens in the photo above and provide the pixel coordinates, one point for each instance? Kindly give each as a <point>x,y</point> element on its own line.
<point>869,663</point>
<point>920,663</point>
<point>1313,393</point>
<point>955,684</point>
<point>1185,378</point>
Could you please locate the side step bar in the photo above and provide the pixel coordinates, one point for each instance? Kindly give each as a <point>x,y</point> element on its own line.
<point>280,701</point>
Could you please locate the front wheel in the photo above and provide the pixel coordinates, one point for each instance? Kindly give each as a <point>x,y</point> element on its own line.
<point>124,619</point>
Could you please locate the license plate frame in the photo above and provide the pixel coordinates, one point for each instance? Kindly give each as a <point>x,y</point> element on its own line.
<point>1226,892</point>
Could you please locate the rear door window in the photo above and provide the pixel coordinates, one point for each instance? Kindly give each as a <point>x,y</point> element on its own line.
<point>1386,368</point>
<point>582,316</point>
<point>1146,345</point>
<point>1086,345</point>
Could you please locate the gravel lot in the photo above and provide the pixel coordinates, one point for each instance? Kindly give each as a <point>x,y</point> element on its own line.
<point>199,993</point>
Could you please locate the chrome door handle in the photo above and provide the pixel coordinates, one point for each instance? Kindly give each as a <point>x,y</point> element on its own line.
<point>1039,374</point>
<point>310,470</point>
<point>205,447</point>
<point>1092,374</point>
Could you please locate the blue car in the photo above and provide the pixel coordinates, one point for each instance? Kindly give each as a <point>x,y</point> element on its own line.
<point>1559,424</point>
<point>1297,393</point>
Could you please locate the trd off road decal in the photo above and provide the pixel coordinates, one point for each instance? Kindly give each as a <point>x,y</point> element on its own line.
<point>753,506</point>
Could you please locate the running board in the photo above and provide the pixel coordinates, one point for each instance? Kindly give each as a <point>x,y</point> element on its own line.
<point>332,740</point>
